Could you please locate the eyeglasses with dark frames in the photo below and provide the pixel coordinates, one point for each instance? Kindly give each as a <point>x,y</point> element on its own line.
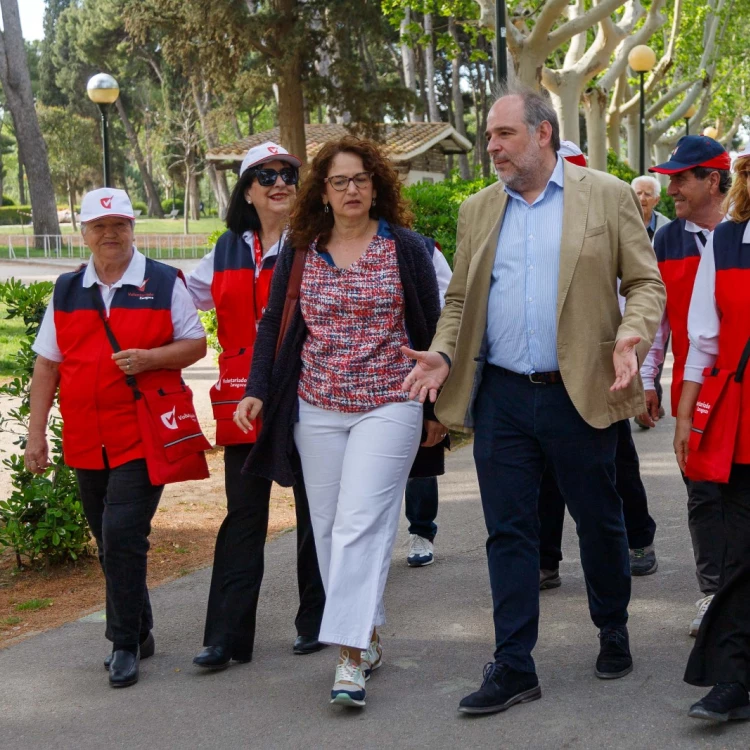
<point>267,177</point>
<point>341,182</point>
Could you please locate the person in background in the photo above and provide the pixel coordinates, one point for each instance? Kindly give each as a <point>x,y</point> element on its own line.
<point>699,180</point>
<point>532,353</point>
<point>155,322</point>
<point>639,525</point>
<point>422,492</point>
<point>719,332</point>
<point>368,288</point>
<point>234,279</point>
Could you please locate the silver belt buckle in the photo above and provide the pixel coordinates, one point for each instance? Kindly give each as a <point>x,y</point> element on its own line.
<point>535,382</point>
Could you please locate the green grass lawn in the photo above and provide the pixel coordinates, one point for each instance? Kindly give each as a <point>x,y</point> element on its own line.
<point>11,334</point>
<point>142,226</point>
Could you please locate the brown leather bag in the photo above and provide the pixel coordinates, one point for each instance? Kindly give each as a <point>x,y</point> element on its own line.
<point>292,294</point>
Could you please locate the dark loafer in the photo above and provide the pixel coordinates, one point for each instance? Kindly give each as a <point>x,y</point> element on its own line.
<point>123,671</point>
<point>614,658</point>
<point>501,688</point>
<point>147,649</point>
<point>307,644</point>
<point>217,658</point>
<point>726,701</point>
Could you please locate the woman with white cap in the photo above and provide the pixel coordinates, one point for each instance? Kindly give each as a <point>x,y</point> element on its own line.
<point>234,279</point>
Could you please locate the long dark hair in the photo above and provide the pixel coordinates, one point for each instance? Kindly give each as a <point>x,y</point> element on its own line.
<point>241,216</point>
<point>309,220</point>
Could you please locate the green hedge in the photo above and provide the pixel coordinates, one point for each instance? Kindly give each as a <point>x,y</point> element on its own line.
<point>12,215</point>
<point>166,206</point>
<point>8,201</point>
<point>140,206</point>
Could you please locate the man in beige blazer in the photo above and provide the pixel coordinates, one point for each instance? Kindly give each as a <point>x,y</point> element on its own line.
<point>533,354</point>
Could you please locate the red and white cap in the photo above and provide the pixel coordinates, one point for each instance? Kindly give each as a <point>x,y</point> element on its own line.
<point>268,151</point>
<point>106,202</point>
<point>570,152</point>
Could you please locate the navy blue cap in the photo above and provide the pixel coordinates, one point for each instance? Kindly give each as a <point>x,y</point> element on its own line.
<point>695,151</point>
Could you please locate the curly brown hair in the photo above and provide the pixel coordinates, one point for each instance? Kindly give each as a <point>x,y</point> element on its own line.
<point>737,202</point>
<point>308,219</point>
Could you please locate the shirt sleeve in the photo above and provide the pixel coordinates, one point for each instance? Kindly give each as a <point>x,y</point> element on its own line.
<point>45,343</point>
<point>199,283</point>
<point>185,319</point>
<point>443,273</point>
<point>703,318</point>
<point>655,356</point>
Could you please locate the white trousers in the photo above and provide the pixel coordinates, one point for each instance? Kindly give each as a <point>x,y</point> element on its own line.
<point>355,468</point>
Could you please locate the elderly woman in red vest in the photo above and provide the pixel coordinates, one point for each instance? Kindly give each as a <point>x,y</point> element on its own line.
<point>153,319</point>
<point>234,279</point>
<point>712,442</point>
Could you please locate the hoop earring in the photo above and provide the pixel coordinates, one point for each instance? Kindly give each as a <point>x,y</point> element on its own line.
<point>325,208</point>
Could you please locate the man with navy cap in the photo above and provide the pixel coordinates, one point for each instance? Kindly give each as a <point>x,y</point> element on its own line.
<point>699,179</point>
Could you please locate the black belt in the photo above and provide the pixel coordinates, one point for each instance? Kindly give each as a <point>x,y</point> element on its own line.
<point>538,378</point>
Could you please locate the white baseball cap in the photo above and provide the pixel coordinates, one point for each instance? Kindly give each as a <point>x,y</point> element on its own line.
<point>744,152</point>
<point>570,152</point>
<point>106,202</point>
<point>267,152</point>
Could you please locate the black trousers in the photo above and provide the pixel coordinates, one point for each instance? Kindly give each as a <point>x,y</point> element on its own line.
<point>422,506</point>
<point>722,649</point>
<point>119,504</point>
<point>239,561</point>
<point>639,525</point>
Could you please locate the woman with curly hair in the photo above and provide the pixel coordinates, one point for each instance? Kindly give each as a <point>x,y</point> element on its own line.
<point>368,288</point>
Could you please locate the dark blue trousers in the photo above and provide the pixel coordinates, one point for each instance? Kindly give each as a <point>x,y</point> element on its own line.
<point>422,506</point>
<point>519,428</point>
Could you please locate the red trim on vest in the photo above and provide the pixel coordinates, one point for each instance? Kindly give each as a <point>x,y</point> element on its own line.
<point>733,303</point>
<point>679,277</point>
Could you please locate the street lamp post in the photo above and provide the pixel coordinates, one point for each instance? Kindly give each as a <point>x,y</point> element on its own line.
<point>641,59</point>
<point>711,132</point>
<point>501,61</point>
<point>692,109</point>
<point>103,91</point>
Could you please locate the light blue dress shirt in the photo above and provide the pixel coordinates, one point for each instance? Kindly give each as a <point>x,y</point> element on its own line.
<point>522,306</point>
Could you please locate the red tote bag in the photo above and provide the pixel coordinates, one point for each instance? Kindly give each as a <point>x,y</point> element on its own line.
<point>716,420</point>
<point>234,367</point>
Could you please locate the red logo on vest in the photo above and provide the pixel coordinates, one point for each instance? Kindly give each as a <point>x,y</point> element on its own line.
<point>106,202</point>
<point>142,287</point>
<point>273,149</point>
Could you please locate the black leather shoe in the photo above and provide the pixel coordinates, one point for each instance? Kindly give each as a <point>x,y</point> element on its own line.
<point>614,658</point>
<point>502,688</point>
<point>218,658</point>
<point>147,649</point>
<point>123,671</point>
<point>727,700</point>
<point>307,644</point>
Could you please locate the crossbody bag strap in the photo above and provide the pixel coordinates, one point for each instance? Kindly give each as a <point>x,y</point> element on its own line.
<point>743,363</point>
<point>99,305</point>
<point>292,294</point>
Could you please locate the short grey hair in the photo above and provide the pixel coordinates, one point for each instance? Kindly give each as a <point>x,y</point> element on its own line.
<point>537,107</point>
<point>655,184</point>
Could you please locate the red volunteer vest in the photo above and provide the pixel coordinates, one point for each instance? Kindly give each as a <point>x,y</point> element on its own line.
<point>96,404</point>
<point>733,302</point>
<point>240,299</point>
<point>678,257</point>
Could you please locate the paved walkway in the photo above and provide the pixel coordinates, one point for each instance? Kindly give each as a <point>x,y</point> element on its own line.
<point>54,692</point>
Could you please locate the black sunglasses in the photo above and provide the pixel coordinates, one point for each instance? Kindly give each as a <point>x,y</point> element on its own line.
<point>267,177</point>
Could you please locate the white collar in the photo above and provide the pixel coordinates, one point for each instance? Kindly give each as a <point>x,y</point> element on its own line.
<point>133,275</point>
<point>273,250</point>
<point>746,235</point>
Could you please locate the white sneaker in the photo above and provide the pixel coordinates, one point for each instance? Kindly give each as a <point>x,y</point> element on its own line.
<point>349,685</point>
<point>372,658</point>
<point>421,552</point>
<point>702,605</point>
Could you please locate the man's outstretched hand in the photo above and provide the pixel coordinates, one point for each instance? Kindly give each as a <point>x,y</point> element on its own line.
<point>625,361</point>
<point>430,372</point>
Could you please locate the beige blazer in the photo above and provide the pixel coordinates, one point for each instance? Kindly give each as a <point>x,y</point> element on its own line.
<point>603,238</point>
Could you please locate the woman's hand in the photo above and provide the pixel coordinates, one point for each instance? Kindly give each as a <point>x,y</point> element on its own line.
<point>681,437</point>
<point>247,410</point>
<point>435,433</point>
<point>36,455</point>
<point>133,361</point>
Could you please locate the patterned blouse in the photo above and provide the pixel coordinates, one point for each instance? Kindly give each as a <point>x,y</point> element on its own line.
<point>355,320</point>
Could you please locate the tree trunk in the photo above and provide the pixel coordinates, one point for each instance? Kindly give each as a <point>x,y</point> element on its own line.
<point>152,197</point>
<point>458,100</point>
<point>631,124</point>
<point>72,206</point>
<point>195,199</point>
<point>407,60</point>
<point>596,128</point>
<point>21,183</point>
<point>32,150</point>
<point>186,205</point>
<point>566,102</point>
<point>429,69</point>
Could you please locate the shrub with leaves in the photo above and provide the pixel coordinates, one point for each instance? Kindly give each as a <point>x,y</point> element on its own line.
<point>43,518</point>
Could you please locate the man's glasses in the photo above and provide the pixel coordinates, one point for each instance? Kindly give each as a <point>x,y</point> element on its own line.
<point>267,177</point>
<point>341,182</point>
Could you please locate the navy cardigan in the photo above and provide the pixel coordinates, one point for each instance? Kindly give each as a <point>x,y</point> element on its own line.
<point>274,380</point>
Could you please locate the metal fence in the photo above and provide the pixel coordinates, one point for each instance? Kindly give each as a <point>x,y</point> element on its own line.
<point>54,246</point>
